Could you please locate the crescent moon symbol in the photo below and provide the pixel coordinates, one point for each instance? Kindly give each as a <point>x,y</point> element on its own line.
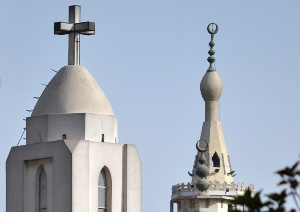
<point>200,149</point>
<point>211,30</point>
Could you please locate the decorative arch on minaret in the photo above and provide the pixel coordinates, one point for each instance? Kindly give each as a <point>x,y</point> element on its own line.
<point>216,160</point>
<point>104,190</point>
<point>41,190</point>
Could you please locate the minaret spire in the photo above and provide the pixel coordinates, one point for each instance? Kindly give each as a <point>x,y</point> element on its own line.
<point>74,28</point>
<point>212,30</point>
<point>211,88</point>
<point>211,85</point>
<point>212,186</point>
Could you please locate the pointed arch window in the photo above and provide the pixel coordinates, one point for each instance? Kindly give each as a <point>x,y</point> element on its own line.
<point>104,191</point>
<point>42,191</point>
<point>216,160</point>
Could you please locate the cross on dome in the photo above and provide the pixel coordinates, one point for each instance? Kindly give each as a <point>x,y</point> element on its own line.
<point>74,28</point>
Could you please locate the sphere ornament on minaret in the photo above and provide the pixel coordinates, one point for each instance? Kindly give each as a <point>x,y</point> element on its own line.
<point>202,171</point>
<point>211,85</point>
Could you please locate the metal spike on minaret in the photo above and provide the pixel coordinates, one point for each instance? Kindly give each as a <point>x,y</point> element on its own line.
<point>212,30</point>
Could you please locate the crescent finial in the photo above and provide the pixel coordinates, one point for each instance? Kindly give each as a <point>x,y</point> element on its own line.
<point>212,28</point>
<point>202,149</point>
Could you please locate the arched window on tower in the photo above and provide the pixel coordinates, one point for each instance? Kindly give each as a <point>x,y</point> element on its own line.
<point>104,191</point>
<point>42,191</point>
<point>216,160</point>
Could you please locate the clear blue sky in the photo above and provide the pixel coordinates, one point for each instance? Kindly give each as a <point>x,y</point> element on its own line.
<point>149,58</point>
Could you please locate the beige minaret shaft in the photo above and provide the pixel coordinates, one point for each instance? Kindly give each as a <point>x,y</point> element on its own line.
<point>212,111</point>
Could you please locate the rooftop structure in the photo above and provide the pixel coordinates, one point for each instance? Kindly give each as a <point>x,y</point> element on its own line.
<point>72,160</point>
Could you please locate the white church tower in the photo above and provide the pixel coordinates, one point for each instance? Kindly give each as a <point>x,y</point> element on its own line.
<point>72,161</point>
<point>212,185</point>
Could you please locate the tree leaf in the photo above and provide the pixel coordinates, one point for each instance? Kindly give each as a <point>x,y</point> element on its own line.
<point>282,182</point>
<point>294,166</point>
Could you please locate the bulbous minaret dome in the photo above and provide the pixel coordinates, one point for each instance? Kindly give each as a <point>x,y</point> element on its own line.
<point>211,86</point>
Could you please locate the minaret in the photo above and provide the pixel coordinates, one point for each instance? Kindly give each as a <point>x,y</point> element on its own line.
<point>211,89</point>
<point>212,183</point>
<point>72,160</point>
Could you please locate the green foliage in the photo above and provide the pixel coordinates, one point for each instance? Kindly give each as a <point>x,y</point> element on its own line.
<point>275,201</point>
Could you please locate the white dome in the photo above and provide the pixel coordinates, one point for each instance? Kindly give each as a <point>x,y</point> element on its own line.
<point>211,86</point>
<point>72,90</point>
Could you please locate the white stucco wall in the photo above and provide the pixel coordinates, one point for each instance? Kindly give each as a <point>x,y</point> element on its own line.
<point>109,156</point>
<point>133,179</point>
<point>206,205</point>
<point>21,169</point>
<point>31,177</point>
<point>124,165</point>
<point>72,169</point>
<point>77,126</point>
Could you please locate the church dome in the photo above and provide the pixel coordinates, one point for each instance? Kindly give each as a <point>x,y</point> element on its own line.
<point>72,90</point>
<point>211,86</point>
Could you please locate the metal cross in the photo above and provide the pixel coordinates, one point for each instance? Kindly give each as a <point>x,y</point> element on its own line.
<point>74,28</point>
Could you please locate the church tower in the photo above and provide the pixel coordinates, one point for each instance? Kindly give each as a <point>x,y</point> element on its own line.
<point>72,161</point>
<point>212,185</point>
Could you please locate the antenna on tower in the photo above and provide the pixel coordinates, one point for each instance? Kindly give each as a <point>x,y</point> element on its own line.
<point>21,136</point>
<point>54,70</point>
